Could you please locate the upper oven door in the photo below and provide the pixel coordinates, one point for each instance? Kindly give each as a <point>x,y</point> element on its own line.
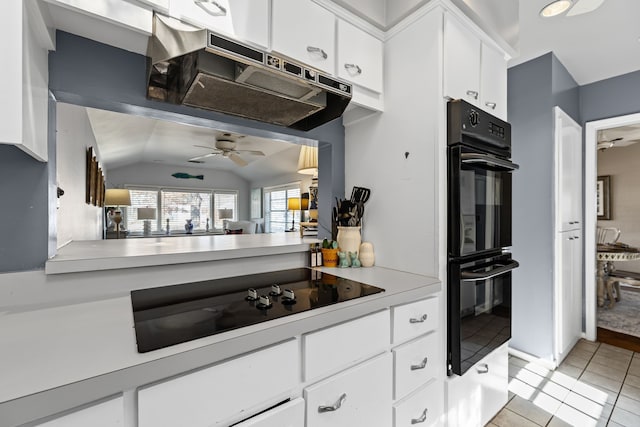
<point>479,201</point>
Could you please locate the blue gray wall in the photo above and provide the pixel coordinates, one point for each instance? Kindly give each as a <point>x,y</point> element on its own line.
<point>613,97</point>
<point>87,73</point>
<point>534,88</point>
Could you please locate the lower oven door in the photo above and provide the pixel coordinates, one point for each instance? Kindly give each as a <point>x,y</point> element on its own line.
<point>479,309</point>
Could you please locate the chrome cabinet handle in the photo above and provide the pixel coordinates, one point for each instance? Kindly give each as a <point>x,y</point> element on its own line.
<point>421,365</point>
<point>335,407</point>
<point>473,93</point>
<point>491,105</point>
<point>483,368</point>
<point>352,67</point>
<point>206,6</point>
<point>420,320</point>
<point>422,418</point>
<point>318,51</point>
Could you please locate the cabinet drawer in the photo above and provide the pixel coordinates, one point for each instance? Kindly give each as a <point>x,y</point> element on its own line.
<point>361,396</point>
<point>423,408</point>
<point>342,345</point>
<point>213,395</point>
<point>290,414</point>
<point>414,319</point>
<point>414,364</point>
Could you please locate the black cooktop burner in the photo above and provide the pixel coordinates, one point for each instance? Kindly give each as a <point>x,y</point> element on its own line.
<point>174,314</point>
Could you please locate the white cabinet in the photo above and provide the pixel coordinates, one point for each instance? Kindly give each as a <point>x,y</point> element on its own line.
<point>245,20</point>
<point>290,414</point>
<point>424,407</point>
<point>568,170</point>
<point>359,396</point>
<point>473,70</point>
<point>213,395</point>
<point>359,57</point>
<point>24,78</point>
<point>414,319</point>
<point>105,414</point>
<point>304,31</point>
<point>477,396</point>
<point>568,292</point>
<point>415,363</point>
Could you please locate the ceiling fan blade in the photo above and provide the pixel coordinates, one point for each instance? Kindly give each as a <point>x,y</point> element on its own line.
<point>209,148</point>
<point>203,157</point>
<point>254,152</point>
<point>237,159</point>
<point>584,6</point>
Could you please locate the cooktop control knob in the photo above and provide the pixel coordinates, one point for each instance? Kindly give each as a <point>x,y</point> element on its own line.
<point>264,302</point>
<point>275,290</point>
<point>288,297</point>
<point>252,294</point>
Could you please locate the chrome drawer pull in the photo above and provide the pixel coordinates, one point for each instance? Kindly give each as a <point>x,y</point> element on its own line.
<point>491,105</point>
<point>420,320</point>
<point>422,418</point>
<point>421,365</point>
<point>335,407</point>
<point>318,51</point>
<point>354,67</point>
<point>473,93</point>
<point>483,368</point>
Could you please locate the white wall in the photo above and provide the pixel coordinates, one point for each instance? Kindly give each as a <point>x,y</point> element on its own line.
<point>160,175</point>
<point>622,165</point>
<point>401,216</point>
<point>76,219</point>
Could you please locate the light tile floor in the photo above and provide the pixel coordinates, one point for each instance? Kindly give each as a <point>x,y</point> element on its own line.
<point>596,385</point>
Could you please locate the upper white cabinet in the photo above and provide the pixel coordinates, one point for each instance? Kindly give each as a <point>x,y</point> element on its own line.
<point>24,78</point>
<point>304,31</point>
<point>473,70</point>
<point>245,20</point>
<point>359,57</point>
<point>568,141</point>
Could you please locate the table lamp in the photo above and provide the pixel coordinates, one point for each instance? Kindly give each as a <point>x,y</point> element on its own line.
<point>116,197</point>
<point>147,214</point>
<point>293,204</point>
<point>224,214</point>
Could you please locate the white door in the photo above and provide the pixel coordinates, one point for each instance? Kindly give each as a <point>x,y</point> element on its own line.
<point>568,294</point>
<point>568,141</point>
<point>493,82</point>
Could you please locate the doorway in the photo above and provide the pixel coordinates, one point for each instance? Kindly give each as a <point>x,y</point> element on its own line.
<point>591,215</point>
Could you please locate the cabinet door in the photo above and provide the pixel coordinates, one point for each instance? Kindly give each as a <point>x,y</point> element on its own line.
<point>415,363</point>
<point>493,82</point>
<point>105,414</point>
<point>568,140</point>
<point>304,31</point>
<point>360,396</point>
<point>422,408</point>
<point>359,57</point>
<point>461,62</point>
<point>290,414</point>
<point>245,20</point>
<point>568,293</point>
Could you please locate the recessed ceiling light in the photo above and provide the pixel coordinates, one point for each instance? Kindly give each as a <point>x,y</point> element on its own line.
<point>555,8</point>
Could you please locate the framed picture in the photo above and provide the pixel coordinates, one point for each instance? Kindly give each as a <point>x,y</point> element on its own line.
<point>603,197</point>
<point>88,174</point>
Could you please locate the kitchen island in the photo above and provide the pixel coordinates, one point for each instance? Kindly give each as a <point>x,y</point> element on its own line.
<point>60,356</point>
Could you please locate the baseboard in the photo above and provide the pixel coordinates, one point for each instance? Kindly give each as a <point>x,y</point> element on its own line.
<point>549,364</point>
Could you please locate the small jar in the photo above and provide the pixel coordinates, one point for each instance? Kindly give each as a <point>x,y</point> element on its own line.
<point>366,256</point>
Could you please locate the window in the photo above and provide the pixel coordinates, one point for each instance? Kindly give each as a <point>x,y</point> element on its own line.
<point>277,217</point>
<point>225,200</point>
<point>178,206</point>
<point>141,198</point>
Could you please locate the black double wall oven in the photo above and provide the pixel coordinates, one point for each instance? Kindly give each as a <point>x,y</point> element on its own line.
<point>479,234</point>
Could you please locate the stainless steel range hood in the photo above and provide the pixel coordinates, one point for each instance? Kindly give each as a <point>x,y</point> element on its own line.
<point>203,69</point>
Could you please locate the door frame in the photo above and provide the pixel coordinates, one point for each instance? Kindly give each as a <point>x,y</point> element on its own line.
<point>590,214</point>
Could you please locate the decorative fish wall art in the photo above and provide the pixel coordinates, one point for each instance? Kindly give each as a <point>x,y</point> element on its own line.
<point>182,175</point>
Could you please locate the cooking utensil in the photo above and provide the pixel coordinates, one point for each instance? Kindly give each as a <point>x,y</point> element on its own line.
<point>360,194</point>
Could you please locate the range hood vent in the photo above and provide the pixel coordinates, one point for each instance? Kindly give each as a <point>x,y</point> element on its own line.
<point>202,69</point>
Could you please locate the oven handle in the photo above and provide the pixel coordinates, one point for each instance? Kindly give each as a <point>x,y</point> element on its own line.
<point>488,160</point>
<point>468,276</point>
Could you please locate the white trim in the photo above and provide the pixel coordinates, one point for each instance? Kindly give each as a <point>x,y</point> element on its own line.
<point>590,217</point>
<point>533,359</point>
<point>411,19</point>
<point>352,18</point>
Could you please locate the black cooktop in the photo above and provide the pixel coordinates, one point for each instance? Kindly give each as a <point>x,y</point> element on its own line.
<point>171,315</point>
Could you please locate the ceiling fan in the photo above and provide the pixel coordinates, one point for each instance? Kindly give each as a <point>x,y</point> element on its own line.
<point>603,145</point>
<point>226,148</point>
<point>584,6</point>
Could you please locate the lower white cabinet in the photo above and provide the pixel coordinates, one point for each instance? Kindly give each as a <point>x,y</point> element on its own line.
<point>105,414</point>
<point>213,395</point>
<point>290,414</point>
<point>415,363</point>
<point>476,397</point>
<point>359,396</point>
<point>422,408</point>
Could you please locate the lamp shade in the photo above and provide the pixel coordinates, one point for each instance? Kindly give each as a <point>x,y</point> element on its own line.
<point>308,160</point>
<point>225,213</point>
<point>293,204</point>
<point>117,197</point>
<point>146,213</point>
